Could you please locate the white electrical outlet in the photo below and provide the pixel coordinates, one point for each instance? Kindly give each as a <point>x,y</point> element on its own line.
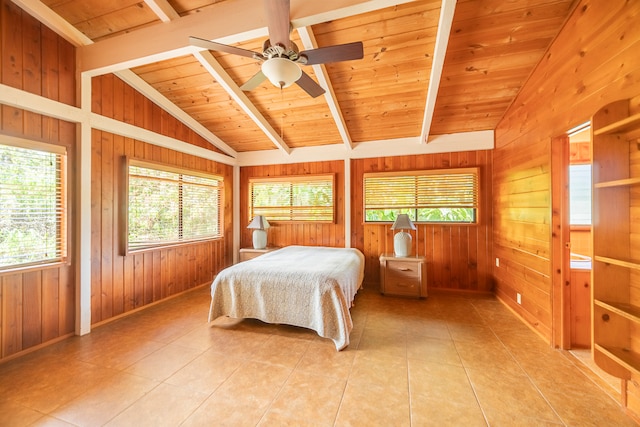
<point>497,262</point>
<point>518,298</point>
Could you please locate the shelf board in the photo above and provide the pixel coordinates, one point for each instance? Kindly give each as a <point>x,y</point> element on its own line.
<point>626,358</point>
<point>619,262</point>
<point>627,311</point>
<point>621,126</point>
<point>618,183</point>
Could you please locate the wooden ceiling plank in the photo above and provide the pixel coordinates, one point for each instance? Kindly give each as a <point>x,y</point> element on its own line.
<point>225,22</point>
<point>444,29</point>
<point>163,10</point>
<point>309,42</point>
<point>221,76</point>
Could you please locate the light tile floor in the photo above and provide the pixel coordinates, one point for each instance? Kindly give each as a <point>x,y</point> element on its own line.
<point>443,361</point>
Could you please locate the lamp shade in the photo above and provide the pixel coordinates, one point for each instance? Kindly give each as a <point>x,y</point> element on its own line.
<point>403,222</point>
<point>402,239</point>
<point>281,72</point>
<point>259,223</point>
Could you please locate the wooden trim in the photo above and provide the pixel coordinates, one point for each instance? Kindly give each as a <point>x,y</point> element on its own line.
<point>560,239</point>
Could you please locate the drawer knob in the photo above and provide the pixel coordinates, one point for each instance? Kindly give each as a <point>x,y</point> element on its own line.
<point>404,269</point>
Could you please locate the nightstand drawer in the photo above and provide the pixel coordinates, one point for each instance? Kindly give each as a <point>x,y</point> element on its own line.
<point>403,270</point>
<point>402,286</point>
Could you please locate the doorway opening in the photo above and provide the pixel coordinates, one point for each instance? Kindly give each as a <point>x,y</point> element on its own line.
<point>573,250</point>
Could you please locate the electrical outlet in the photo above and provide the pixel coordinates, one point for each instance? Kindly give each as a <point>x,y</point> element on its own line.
<point>518,298</point>
<point>497,262</point>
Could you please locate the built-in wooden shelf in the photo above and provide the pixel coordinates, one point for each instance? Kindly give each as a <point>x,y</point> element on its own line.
<point>618,183</point>
<point>635,265</point>
<point>616,319</point>
<point>622,356</point>
<point>621,126</point>
<point>627,311</point>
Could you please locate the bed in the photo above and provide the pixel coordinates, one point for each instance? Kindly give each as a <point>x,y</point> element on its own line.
<point>306,286</point>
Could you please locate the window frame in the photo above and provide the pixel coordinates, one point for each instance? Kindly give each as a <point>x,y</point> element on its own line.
<point>475,171</point>
<point>124,207</point>
<point>291,180</point>
<point>62,226</point>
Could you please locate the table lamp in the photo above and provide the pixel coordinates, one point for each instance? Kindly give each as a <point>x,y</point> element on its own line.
<point>402,239</point>
<point>259,224</point>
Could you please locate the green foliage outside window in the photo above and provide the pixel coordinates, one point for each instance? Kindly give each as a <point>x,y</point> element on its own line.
<point>166,207</point>
<point>423,215</point>
<point>32,214</point>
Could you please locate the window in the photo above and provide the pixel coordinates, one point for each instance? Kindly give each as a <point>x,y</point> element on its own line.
<point>297,198</point>
<point>580,194</point>
<point>445,195</point>
<point>33,200</point>
<point>168,205</point>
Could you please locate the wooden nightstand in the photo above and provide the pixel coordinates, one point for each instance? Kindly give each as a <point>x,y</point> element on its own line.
<point>250,253</point>
<point>405,276</point>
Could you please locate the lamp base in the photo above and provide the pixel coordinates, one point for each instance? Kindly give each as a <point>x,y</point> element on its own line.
<point>402,244</point>
<point>259,239</point>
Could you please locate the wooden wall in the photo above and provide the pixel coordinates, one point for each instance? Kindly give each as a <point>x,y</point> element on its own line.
<point>283,234</point>
<point>593,61</point>
<point>123,283</point>
<point>37,305</point>
<point>458,256</point>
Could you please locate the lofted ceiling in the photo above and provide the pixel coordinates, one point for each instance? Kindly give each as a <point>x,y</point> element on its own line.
<point>430,67</point>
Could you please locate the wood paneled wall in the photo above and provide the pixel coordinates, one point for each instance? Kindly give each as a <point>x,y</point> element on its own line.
<point>593,61</point>
<point>284,234</point>
<point>123,283</point>
<point>37,305</point>
<point>458,256</point>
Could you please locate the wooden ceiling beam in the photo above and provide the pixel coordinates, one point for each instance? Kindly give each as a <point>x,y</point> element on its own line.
<point>225,22</point>
<point>163,10</point>
<point>442,39</point>
<point>222,77</point>
<point>309,42</point>
<point>55,22</point>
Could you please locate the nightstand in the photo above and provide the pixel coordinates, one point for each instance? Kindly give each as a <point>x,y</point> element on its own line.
<point>250,253</point>
<point>404,276</point>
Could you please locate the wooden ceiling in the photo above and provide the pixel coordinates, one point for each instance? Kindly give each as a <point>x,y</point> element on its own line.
<point>430,67</point>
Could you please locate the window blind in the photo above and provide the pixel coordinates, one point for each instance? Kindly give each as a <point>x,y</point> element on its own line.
<point>419,193</point>
<point>168,206</point>
<point>300,198</point>
<point>33,200</point>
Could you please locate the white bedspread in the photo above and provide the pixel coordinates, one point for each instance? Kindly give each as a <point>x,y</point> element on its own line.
<point>306,286</point>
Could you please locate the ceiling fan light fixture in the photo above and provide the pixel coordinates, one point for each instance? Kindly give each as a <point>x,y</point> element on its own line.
<point>281,72</point>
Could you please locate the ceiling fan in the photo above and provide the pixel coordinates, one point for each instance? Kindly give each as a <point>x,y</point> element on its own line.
<point>281,56</point>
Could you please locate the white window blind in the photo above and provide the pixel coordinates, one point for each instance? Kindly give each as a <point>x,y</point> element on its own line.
<point>33,200</point>
<point>298,198</point>
<point>168,206</point>
<point>443,195</point>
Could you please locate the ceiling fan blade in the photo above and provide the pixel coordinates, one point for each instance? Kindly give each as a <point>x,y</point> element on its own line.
<point>278,21</point>
<point>219,47</point>
<point>309,85</point>
<point>337,53</point>
<point>254,81</point>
